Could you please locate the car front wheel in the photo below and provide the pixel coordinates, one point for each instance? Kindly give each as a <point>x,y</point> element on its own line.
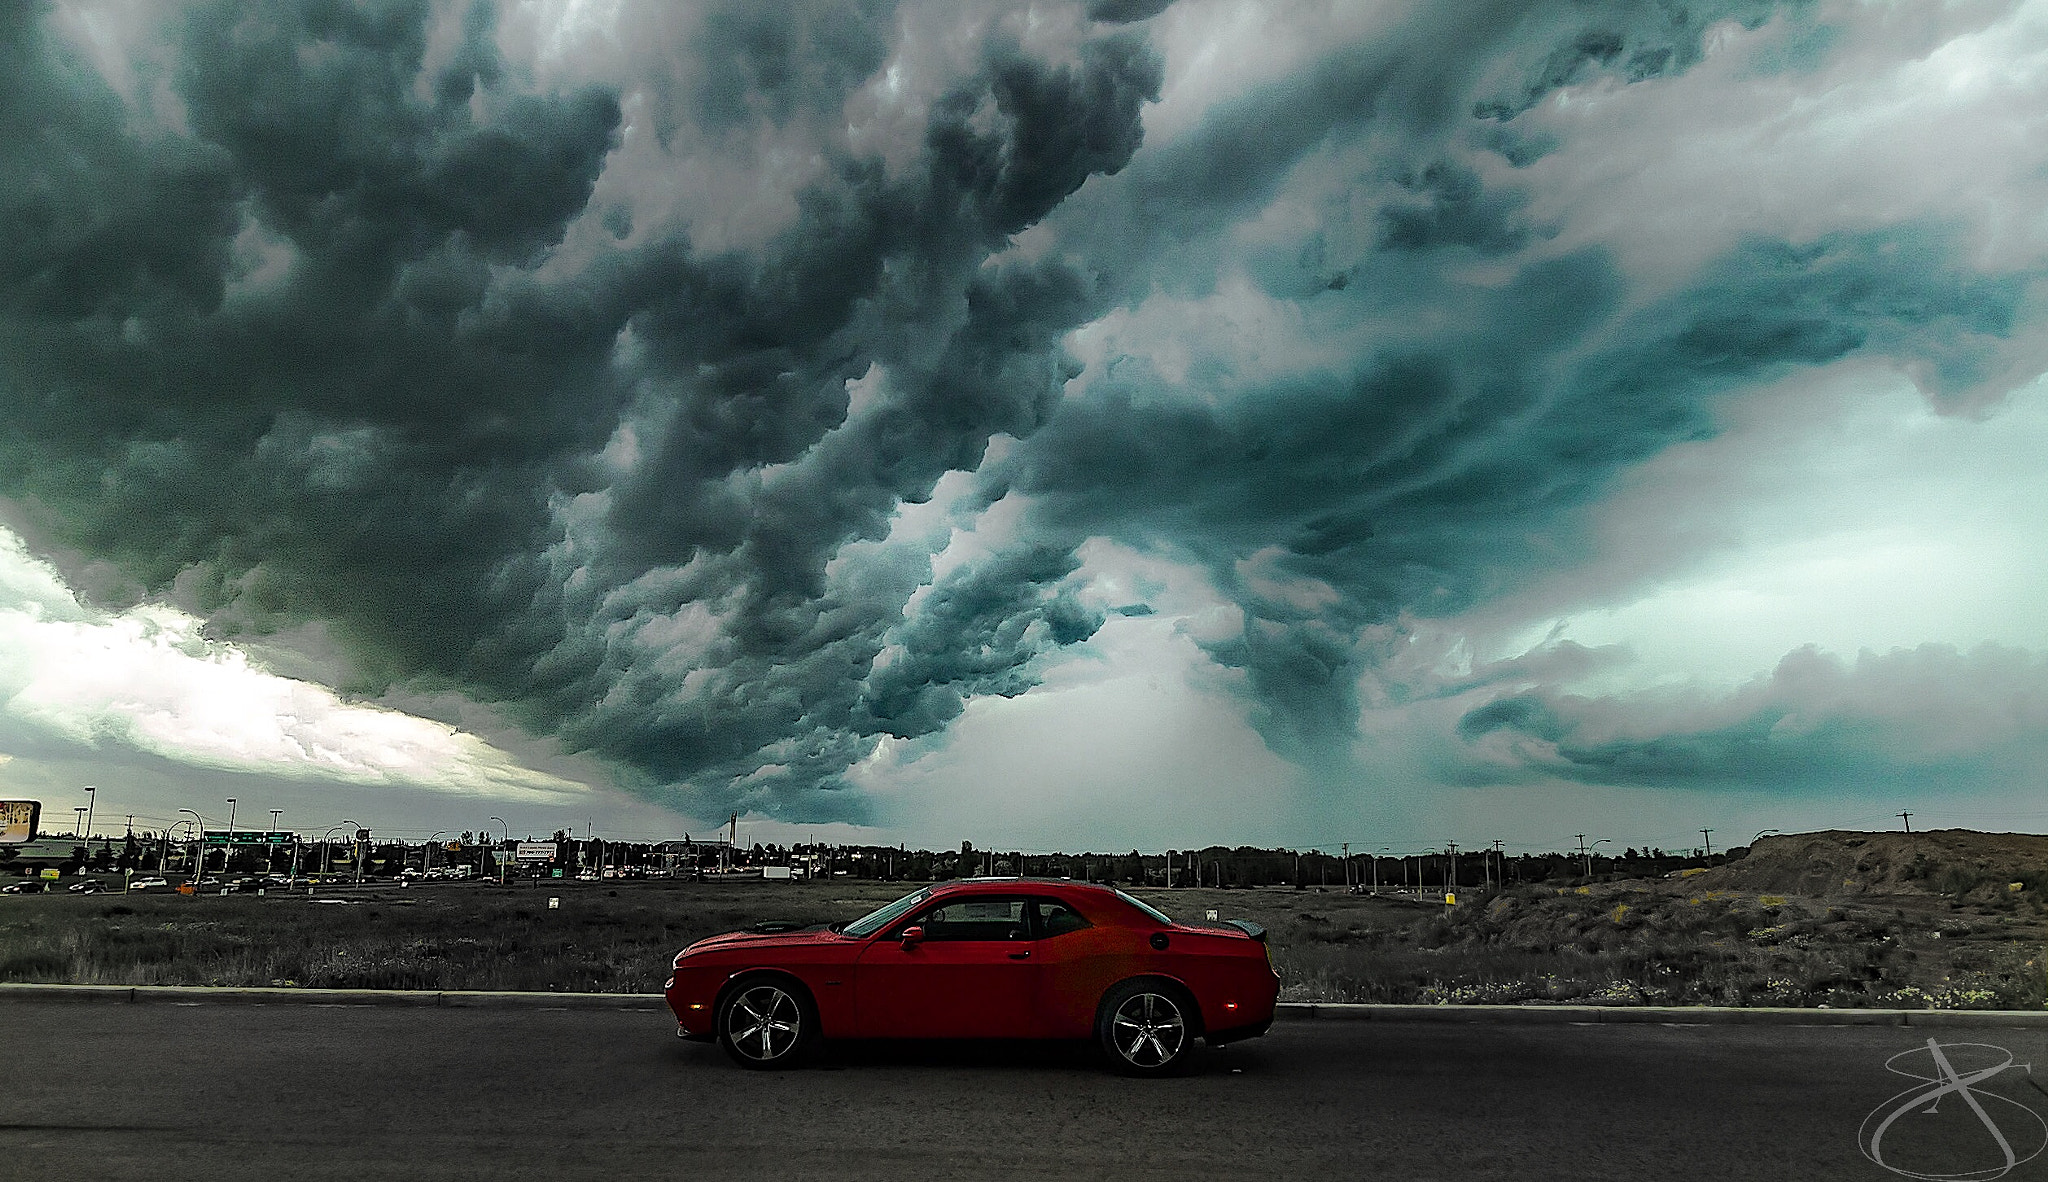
<point>1146,1028</point>
<point>764,1024</point>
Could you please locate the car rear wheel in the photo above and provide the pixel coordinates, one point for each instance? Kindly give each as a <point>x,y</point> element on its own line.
<point>765,1023</point>
<point>1146,1027</point>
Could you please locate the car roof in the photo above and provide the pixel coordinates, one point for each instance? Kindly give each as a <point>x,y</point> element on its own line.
<point>999,883</point>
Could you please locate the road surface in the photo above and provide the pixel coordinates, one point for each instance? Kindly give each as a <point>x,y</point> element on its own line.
<point>235,1091</point>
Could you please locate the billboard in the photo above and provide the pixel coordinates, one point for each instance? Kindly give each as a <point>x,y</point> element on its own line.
<point>535,851</point>
<point>18,820</point>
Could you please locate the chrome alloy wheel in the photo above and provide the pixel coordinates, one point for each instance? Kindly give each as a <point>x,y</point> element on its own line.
<point>1147,1030</point>
<point>763,1023</point>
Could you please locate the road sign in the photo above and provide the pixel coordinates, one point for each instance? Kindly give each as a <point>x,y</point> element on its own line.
<point>18,820</point>
<point>534,851</point>
<point>248,837</point>
<point>52,872</point>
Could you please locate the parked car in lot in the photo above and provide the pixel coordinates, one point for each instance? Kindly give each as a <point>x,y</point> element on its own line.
<point>145,884</point>
<point>27,886</point>
<point>982,958</point>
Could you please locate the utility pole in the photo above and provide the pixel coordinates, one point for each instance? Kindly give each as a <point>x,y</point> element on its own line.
<point>1707,835</point>
<point>1583,854</point>
<point>1908,819</point>
<point>1451,856</point>
<point>1347,867</point>
<point>1500,862</point>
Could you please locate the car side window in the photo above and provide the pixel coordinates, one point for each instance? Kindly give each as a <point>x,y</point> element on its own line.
<point>1057,919</point>
<point>986,917</point>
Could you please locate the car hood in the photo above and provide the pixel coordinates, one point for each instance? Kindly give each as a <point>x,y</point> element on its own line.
<point>784,939</point>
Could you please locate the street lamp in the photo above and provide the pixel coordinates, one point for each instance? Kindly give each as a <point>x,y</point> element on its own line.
<point>356,831</point>
<point>199,824</point>
<point>327,848</point>
<point>227,852</point>
<point>1376,868</point>
<point>90,796</point>
<point>498,860</point>
<point>1589,854</point>
<point>427,855</point>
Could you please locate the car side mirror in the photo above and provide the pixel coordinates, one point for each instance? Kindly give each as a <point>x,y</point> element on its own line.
<point>911,935</point>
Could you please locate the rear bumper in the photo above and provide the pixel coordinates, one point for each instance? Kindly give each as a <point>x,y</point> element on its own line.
<point>1238,1033</point>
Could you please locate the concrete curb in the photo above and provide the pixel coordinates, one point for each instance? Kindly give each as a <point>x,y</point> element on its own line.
<point>1285,1011</point>
<point>207,995</point>
<point>1640,1015</point>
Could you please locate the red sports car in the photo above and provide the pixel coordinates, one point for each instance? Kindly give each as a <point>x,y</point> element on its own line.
<point>983,958</point>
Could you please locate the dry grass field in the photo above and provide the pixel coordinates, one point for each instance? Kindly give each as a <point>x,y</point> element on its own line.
<point>1883,920</point>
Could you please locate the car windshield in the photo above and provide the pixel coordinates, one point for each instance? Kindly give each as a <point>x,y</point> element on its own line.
<point>875,921</point>
<point>1145,907</point>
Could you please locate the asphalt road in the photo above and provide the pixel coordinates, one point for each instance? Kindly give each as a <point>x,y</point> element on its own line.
<point>235,1091</point>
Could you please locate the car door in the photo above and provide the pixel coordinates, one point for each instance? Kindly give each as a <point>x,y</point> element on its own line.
<point>1076,963</point>
<point>969,976</point>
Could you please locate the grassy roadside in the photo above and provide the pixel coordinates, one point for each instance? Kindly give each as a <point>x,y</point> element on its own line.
<point>1622,944</point>
<point>455,936</point>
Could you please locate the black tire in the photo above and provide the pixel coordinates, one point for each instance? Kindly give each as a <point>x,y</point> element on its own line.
<point>766,1023</point>
<point>1147,1028</point>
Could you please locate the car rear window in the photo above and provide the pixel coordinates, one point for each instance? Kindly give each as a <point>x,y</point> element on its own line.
<point>1145,907</point>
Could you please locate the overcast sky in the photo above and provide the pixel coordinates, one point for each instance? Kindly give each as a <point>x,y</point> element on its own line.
<point>1054,426</point>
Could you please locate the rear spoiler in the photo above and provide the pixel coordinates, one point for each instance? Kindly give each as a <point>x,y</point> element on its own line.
<point>1248,928</point>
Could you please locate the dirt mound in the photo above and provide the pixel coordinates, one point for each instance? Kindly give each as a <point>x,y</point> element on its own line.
<point>1835,864</point>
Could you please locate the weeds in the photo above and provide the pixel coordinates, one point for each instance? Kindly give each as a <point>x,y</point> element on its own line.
<point>1526,946</point>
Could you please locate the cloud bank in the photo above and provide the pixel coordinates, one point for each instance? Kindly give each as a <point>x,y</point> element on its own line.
<point>739,394</point>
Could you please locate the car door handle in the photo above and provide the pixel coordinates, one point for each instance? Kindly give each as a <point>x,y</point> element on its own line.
<point>1024,955</point>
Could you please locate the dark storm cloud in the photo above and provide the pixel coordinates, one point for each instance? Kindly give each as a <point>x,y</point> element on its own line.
<point>348,345</point>
<point>1126,11</point>
<point>974,634</point>
<point>1632,42</point>
<point>775,60</point>
<point>381,408</point>
<point>1911,717</point>
<point>751,362</point>
<point>1438,478</point>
